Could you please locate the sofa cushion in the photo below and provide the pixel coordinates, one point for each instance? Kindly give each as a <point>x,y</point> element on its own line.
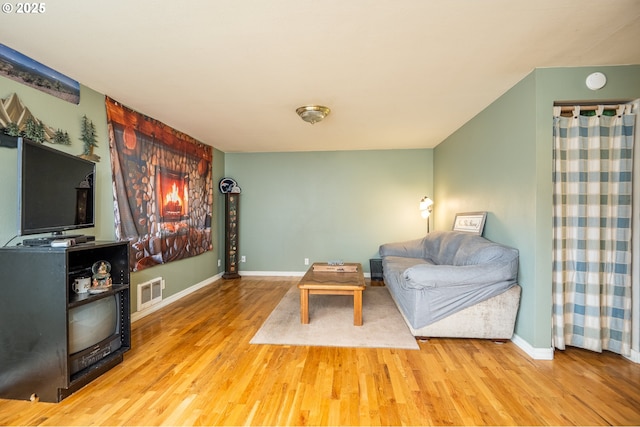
<point>420,275</point>
<point>450,248</point>
<point>409,249</point>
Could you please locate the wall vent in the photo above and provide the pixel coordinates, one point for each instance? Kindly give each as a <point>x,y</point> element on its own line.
<point>150,293</point>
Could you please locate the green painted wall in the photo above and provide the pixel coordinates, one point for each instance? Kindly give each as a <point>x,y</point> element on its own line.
<point>327,205</point>
<point>500,162</point>
<point>57,113</point>
<point>487,166</point>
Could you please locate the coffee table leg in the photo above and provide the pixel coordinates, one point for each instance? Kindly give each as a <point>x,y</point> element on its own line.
<point>304,306</point>
<point>357,308</point>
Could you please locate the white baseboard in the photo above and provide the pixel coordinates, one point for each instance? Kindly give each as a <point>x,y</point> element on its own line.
<point>272,273</point>
<point>282,273</point>
<point>547,353</point>
<point>533,352</point>
<point>173,298</point>
<point>635,356</point>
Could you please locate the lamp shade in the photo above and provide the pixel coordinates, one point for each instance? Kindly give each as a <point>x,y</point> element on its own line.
<point>426,206</point>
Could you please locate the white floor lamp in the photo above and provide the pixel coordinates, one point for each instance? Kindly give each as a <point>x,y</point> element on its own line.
<point>426,207</point>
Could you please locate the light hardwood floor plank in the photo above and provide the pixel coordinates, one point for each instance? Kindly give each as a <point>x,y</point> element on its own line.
<point>191,364</point>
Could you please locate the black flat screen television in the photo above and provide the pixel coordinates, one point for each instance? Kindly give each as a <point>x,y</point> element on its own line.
<point>56,190</point>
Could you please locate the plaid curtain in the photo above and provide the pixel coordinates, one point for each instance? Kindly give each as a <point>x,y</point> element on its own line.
<point>592,179</point>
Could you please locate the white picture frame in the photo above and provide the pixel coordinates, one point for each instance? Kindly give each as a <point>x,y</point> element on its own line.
<point>470,222</point>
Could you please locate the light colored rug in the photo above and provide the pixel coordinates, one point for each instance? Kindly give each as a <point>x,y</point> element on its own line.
<point>331,322</point>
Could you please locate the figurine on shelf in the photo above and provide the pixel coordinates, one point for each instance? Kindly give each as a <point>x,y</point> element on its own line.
<point>101,279</point>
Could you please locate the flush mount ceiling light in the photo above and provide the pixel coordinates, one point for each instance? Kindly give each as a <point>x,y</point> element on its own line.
<point>313,113</point>
<point>596,81</point>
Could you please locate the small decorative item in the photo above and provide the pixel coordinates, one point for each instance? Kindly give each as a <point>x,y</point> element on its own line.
<point>89,139</point>
<point>470,222</point>
<point>81,285</point>
<point>101,279</point>
<point>12,129</point>
<point>229,185</point>
<point>34,130</point>
<point>61,137</point>
<point>19,121</point>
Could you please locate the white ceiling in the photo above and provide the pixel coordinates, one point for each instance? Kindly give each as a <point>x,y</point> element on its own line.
<point>396,73</point>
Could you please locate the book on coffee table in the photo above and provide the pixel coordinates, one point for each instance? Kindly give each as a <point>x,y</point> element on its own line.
<point>344,268</point>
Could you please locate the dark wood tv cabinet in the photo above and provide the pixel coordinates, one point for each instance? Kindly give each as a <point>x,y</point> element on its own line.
<point>35,298</point>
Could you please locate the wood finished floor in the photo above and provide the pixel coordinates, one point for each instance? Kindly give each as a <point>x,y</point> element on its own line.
<point>192,364</point>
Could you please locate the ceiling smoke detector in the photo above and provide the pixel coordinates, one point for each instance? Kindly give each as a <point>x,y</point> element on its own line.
<point>313,113</point>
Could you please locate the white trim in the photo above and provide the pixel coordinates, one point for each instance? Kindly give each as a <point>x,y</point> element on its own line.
<point>635,356</point>
<point>547,353</point>
<point>282,273</point>
<point>173,298</point>
<point>272,273</point>
<point>533,352</point>
<point>635,241</point>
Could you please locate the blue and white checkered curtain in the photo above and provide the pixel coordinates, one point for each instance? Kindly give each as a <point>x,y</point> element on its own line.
<point>592,178</point>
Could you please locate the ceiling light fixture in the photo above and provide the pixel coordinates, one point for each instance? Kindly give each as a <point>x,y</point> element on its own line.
<point>313,113</point>
<point>596,81</point>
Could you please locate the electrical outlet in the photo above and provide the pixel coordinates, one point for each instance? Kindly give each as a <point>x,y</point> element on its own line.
<point>306,261</point>
<point>219,262</point>
<point>243,258</point>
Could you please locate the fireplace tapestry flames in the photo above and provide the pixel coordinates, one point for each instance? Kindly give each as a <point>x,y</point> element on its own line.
<point>173,194</point>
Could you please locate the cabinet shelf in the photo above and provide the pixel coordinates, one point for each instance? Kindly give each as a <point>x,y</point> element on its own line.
<point>76,300</point>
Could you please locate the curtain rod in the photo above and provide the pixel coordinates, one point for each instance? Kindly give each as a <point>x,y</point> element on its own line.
<point>610,105</point>
<point>569,108</point>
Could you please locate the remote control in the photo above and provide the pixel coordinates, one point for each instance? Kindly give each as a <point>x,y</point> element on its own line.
<point>62,243</point>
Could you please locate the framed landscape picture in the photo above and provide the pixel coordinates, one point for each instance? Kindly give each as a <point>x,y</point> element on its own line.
<point>470,222</point>
<point>32,73</point>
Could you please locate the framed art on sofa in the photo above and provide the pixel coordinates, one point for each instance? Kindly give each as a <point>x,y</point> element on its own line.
<point>470,222</point>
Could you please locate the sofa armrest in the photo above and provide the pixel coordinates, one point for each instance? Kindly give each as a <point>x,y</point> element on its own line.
<point>409,249</point>
<point>438,276</point>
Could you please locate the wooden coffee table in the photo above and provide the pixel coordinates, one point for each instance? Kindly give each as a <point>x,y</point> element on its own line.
<point>332,283</point>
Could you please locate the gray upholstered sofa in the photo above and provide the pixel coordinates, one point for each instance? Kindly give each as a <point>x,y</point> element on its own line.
<point>454,284</point>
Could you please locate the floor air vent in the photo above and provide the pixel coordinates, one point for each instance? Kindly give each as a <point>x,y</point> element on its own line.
<point>150,293</point>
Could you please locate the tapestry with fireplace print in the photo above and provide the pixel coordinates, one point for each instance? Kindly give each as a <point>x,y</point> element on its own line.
<point>162,188</point>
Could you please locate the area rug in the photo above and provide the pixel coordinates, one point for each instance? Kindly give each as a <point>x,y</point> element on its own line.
<point>331,322</point>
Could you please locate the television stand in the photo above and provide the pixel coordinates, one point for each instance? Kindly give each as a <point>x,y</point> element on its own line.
<point>36,305</point>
